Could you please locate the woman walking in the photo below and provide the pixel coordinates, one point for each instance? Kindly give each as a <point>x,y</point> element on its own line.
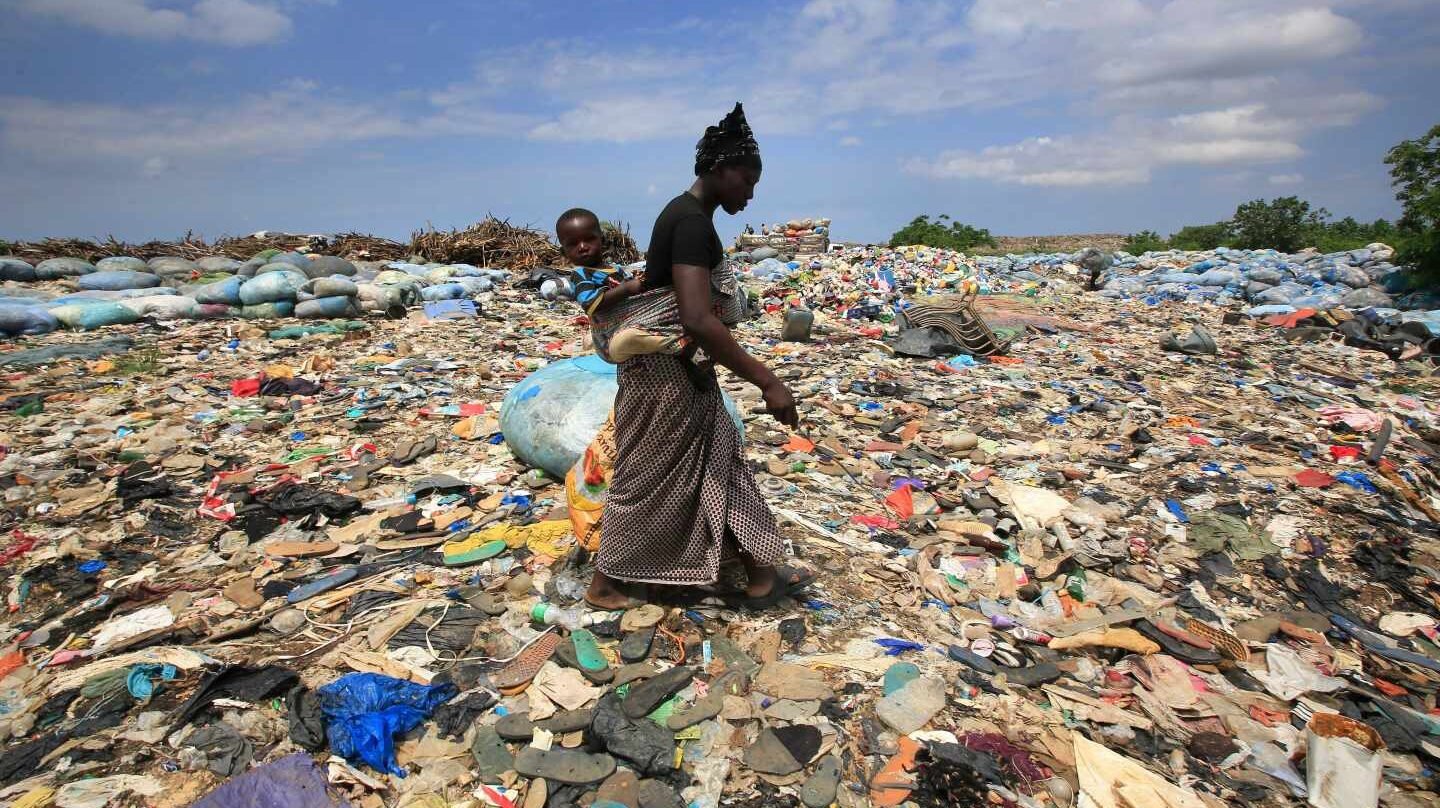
<point>681,492</point>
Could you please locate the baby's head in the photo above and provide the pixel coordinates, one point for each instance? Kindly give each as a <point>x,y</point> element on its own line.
<point>579,233</point>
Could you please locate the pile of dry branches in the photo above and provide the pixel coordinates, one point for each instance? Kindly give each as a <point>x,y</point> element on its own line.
<point>619,246</point>
<point>490,243</point>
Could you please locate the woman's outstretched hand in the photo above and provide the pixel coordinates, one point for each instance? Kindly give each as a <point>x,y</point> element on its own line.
<point>780,403</point>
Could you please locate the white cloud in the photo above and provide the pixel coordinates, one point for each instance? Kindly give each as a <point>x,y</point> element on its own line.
<point>1131,150</point>
<point>850,140</point>
<point>625,120</point>
<point>1285,179</point>
<point>225,22</point>
<point>154,167</point>
<point>286,121</point>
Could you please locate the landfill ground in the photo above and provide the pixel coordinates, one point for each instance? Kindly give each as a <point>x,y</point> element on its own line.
<point>1089,571</point>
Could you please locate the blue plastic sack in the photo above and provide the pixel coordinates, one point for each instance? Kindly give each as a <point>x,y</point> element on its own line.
<point>364,712</point>
<point>116,279</point>
<point>272,286</point>
<point>226,291</point>
<point>268,311</point>
<point>120,263</point>
<point>550,416</point>
<point>173,266</point>
<point>329,287</point>
<point>26,320</point>
<point>445,291</point>
<point>93,314</point>
<point>55,268</point>
<point>14,269</point>
<point>327,308</point>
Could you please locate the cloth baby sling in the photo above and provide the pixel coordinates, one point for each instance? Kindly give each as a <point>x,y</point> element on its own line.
<point>657,312</point>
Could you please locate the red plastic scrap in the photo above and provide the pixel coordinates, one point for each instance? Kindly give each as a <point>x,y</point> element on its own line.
<point>872,521</point>
<point>23,544</point>
<point>901,503</point>
<point>244,388</point>
<point>1338,453</point>
<point>1310,478</point>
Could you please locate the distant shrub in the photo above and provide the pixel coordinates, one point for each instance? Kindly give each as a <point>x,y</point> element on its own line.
<point>957,236</point>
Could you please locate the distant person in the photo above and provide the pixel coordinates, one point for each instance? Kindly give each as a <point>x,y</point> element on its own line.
<point>1094,262</point>
<point>749,231</point>
<point>682,495</point>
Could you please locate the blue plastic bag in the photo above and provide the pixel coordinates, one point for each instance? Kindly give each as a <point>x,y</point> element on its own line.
<point>27,320</point>
<point>364,712</point>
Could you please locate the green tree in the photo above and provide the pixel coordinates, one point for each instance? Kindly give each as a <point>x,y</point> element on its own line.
<point>1143,242</point>
<point>955,236</point>
<point>1202,236</point>
<point>1281,224</point>
<point>1415,174</point>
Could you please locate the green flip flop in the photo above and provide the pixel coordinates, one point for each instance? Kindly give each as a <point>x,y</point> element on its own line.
<point>471,555</point>
<point>587,651</point>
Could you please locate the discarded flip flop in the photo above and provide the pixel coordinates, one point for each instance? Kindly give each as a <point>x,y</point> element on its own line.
<point>636,645</point>
<point>1041,673</point>
<point>892,784</point>
<point>322,585</point>
<point>300,549</point>
<point>729,683</point>
<point>409,450</point>
<point>655,794</point>
<point>651,693</point>
<point>516,676</point>
<point>819,791</point>
<point>1175,648</point>
<point>471,551</point>
<point>620,790</point>
<point>587,651</point>
<point>564,765</point>
<point>566,655</point>
<point>974,660</point>
<point>519,727</point>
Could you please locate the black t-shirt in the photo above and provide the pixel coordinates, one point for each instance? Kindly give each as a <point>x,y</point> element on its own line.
<point>683,234</point>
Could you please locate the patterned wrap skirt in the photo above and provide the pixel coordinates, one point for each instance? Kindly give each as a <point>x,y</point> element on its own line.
<point>680,486</point>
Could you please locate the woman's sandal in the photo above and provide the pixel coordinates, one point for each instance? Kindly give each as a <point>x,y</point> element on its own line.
<point>789,582</point>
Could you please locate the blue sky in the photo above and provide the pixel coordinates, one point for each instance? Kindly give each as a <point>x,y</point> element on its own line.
<point>147,118</point>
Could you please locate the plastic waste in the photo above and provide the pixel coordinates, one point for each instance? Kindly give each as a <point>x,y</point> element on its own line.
<point>226,292</point>
<point>365,712</point>
<point>268,311</point>
<point>26,321</point>
<point>329,287</point>
<point>14,269</point>
<point>327,307</point>
<point>571,619</point>
<point>95,314</point>
<point>55,268</point>
<point>550,416</point>
<point>270,287</point>
<point>1343,763</point>
<point>162,307</point>
<point>912,706</point>
<point>174,267</point>
<point>121,263</point>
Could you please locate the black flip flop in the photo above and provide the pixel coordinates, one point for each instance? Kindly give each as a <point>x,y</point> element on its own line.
<point>789,582</point>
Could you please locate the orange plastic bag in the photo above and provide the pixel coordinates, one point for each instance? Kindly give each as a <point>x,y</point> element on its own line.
<point>586,483</point>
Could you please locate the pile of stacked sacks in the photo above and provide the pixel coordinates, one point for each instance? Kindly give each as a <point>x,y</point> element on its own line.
<point>1355,279</point>
<point>271,285</point>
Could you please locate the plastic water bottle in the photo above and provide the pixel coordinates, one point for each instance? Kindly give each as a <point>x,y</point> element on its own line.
<point>390,502</point>
<point>569,619</point>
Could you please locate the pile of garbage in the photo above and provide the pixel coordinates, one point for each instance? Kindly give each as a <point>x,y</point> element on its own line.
<point>795,237</point>
<point>1150,554</point>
